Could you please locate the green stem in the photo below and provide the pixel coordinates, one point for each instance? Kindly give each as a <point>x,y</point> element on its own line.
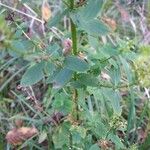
<point>73,31</point>
<point>74,38</point>
<point>71,4</point>
<point>75,52</point>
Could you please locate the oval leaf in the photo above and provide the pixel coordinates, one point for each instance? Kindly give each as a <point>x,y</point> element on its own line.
<point>91,10</point>
<point>62,78</point>
<point>95,27</point>
<point>33,75</point>
<point>76,64</point>
<point>88,80</point>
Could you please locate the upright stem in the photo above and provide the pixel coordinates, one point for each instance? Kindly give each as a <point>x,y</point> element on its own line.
<point>73,31</point>
<point>75,52</point>
<point>71,4</point>
<point>74,38</point>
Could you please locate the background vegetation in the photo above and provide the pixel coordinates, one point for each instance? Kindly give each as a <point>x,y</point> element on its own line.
<point>74,74</point>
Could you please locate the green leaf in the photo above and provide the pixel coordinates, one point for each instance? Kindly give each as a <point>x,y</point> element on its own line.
<point>42,137</point>
<point>132,112</point>
<point>115,98</point>
<point>94,147</point>
<point>56,19</point>
<point>61,136</point>
<point>115,139</point>
<point>20,47</point>
<point>93,42</point>
<point>76,64</point>
<point>85,80</point>
<point>53,48</point>
<point>77,84</point>
<point>127,69</point>
<point>115,74</point>
<point>62,77</point>
<point>97,127</point>
<point>62,103</point>
<point>60,139</point>
<point>78,134</point>
<point>110,50</point>
<point>88,80</point>
<point>91,10</point>
<point>49,68</point>
<point>94,27</point>
<point>33,75</point>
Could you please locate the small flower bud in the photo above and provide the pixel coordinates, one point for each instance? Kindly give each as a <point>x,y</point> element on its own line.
<point>67,46</point>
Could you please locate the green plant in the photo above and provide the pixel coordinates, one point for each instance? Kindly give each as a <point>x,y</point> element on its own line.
<point>76,89</point>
